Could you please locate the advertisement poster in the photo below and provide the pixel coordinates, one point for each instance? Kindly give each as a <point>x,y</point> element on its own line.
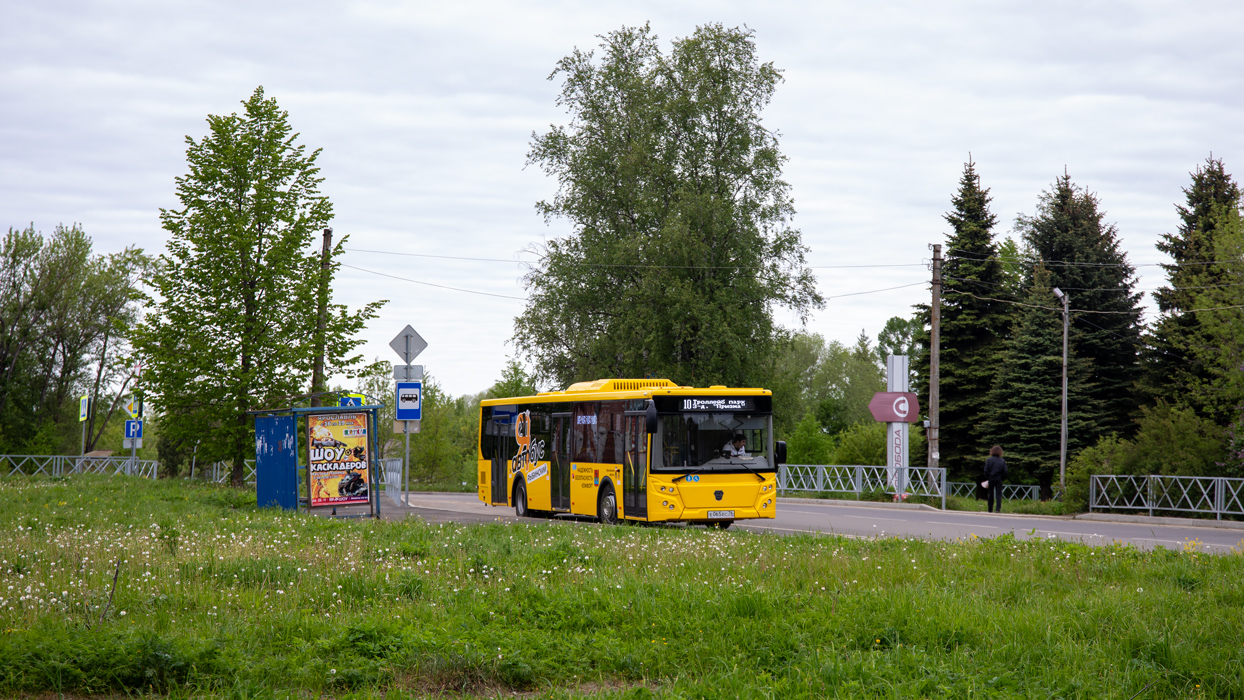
<point>339,474</point>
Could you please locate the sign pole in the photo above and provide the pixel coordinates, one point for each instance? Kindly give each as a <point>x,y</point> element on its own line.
<point>935,370</point>
<point>897,447</point>
<point>408,390</point>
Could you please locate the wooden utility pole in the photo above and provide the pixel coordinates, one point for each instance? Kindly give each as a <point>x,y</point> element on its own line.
<point>935,341</point>
<point>317,372</point>
<point>1062,443</point>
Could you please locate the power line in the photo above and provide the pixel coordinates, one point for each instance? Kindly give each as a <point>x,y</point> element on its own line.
<point>1081,311</point>
<point>874,291</point>
<point>1073,289</point>
<point>1067,263</point>
<point>628,265</point>
<point>505,296</point>
<point>429,284</point>
<point>429,255</point>
<point>1102,289</point>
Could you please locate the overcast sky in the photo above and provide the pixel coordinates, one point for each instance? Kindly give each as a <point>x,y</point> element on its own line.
<point>424,112</point>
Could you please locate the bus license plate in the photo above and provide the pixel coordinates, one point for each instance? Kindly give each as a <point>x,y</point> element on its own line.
<point>721,514</point>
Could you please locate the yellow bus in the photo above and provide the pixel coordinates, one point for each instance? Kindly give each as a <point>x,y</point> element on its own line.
<point>632,449</point>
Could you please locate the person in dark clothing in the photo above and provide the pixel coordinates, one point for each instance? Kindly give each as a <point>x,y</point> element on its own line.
<point>995,472</point>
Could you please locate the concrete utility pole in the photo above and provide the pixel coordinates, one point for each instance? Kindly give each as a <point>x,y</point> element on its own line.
<point>1062,447</point>
<point>935,342</point>
<point>317,372</point>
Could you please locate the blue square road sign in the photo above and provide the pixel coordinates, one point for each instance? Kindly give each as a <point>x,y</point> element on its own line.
<point>133,429</point>
<point>409,401</point>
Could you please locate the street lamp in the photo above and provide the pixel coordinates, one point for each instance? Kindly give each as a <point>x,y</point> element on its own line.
<point>1062,447</point>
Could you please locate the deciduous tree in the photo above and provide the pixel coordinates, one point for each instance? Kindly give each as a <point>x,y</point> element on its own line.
<point>681,245</point>
<point>65,317</point>
<point>234,314</point>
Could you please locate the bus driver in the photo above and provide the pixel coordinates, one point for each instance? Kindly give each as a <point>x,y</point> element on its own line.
<point>736,447</point>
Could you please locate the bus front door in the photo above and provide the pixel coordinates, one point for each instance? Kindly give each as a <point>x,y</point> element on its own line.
<point>499,427</point>
<point>560,485</point>
<point>635,469</point>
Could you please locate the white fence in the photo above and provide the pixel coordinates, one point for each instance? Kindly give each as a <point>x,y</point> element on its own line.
<point>857,479</point>
<point>1153,492</point>
<point>220,472</point>
<point>1010,492</point>
<point>62,465</point>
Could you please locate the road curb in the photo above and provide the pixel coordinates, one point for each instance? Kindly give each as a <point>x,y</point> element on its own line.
<point>863,504</point>
<point>1160,520</point>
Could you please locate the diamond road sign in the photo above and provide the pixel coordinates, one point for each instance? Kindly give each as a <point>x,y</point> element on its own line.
<point>408,344</point>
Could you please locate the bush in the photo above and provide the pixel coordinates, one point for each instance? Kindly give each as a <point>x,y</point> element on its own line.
<point>862,443</point>
<point>808,444</point>
<point>1172,440</point>
<point>1176,441</point>
<point>1109,456</point>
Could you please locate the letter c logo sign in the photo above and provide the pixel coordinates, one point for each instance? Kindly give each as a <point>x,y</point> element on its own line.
<point>900,407</point>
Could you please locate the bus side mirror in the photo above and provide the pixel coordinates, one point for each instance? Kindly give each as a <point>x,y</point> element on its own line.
<point>779,448</point>
<point>650,418</point>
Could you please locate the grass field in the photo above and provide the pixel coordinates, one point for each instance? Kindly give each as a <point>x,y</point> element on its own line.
<point>214,598</point>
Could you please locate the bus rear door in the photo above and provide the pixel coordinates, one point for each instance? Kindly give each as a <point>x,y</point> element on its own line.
<point>559,487</point>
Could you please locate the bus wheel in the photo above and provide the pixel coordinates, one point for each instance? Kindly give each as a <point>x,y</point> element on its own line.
<point>607,506</point>
<point>719,524</point>
<point>520,501</point>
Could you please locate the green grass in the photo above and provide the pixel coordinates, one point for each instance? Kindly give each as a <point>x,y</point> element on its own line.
<point>217,599</point>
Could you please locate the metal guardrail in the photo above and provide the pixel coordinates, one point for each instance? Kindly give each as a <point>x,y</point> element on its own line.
<point>1010,492</point>
<point>391,472</point>
<point>62,465</point>
<point>219,472</point>
<point>1188,494</point>
<point>857,479</point>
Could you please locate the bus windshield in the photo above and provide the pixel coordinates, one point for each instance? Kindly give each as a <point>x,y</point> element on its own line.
<point>704,441</point>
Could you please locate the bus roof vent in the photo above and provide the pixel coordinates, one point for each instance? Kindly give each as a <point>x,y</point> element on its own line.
<point>620,385</point>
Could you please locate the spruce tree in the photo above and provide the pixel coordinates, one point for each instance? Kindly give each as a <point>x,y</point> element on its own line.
<point>1025,403</point>
<point>1083,258</point>
<point>1174,369</point>
<point>974,326</point>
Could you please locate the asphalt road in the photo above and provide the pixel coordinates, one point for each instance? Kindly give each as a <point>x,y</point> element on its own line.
<point>796,515</point>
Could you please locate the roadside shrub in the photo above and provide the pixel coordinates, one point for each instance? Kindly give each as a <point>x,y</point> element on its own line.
<point>1109,456</point>
<point>1171,440</point>
<point>862,443</point>
<point>808,443</point>
<point>1174,440</point>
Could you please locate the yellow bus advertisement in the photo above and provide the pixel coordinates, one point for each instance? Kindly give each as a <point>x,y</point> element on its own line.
<point>632,449</point>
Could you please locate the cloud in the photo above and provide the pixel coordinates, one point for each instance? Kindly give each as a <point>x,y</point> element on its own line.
<point>424,112</point>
